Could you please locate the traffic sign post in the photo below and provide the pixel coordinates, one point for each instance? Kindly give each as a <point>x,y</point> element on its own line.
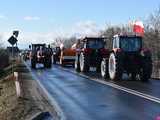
<point>13,40</point>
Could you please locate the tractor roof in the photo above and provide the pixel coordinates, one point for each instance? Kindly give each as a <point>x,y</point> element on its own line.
<point>127,35</point>
<point>92,38</point>
<point>38,44</point>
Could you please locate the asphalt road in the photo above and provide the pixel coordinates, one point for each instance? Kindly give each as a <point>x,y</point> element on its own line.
<point>83,97</point>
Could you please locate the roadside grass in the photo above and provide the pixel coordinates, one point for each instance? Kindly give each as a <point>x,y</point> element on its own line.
<point>11,107</point>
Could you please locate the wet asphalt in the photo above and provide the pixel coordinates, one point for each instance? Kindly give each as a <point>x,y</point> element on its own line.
<point>81,98</point>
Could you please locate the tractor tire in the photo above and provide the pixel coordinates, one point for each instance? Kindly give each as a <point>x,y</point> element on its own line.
<point>77,64</point>
<point>83,63</point>
<point>33,64</point>
<point>54,59</point>
<point>146,70</point>
<point>98,68</point>
<point>133,76</point>
<point>48,63</point>
<point>115,67</point>
<point>104,69</point>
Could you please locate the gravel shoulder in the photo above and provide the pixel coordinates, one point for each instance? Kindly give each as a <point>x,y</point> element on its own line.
<point>29,105</point>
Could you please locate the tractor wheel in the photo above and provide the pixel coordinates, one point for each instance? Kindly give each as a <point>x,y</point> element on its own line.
<point>83,63</point>
<point>115,67</point>
<point>33,64</point>
<point>98,68</point>
<point>48,62</point>
<point>146,70</point>
<point>104,69</point>
<point>77,64</point>
<point>133,76</point>
<point>54,59</point>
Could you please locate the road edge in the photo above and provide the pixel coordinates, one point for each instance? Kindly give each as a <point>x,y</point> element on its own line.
<point>59,113</point>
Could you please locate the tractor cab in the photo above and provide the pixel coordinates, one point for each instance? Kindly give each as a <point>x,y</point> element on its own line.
<point>92,51</point>
<point>94,43</point>
<point>36,47</point>
<point>94,47</point>
<point>127,44</point>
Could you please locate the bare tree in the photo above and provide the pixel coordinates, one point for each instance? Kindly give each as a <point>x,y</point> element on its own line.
<point>68,42</point>
<point>152,33</point>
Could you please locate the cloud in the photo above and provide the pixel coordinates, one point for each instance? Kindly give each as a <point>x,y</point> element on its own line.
<point>3,17</point>
<point>31,18</point>
<point>78,29</point>
<point>86,28</point>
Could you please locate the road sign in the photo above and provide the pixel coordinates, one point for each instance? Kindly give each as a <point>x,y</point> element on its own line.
<point>16,32</point>
<point>12,40</point>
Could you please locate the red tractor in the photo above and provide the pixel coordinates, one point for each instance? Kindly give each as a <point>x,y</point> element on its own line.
<point>128,56</point>
<point>41,54</point>
<point>89,53</point>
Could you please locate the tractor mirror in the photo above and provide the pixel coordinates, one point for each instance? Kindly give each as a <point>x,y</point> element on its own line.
<point>29,46</point>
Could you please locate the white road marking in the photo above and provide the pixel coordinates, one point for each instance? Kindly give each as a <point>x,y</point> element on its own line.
<point>51,99</point>
<point>131,91</point>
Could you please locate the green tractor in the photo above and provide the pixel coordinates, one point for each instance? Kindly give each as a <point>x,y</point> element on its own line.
<point>41,54</point>
<point>128,56</point>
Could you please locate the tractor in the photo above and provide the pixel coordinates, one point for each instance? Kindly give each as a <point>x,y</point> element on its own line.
<point>41,54</point>
<point>26,54</point>
<point>56,55</point>
<point>89,53</point>
<point>127,55</point>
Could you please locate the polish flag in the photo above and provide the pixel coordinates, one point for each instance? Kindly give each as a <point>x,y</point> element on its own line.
<point>138,28</point>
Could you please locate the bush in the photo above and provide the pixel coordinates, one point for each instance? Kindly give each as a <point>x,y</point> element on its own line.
<point>4,58</point>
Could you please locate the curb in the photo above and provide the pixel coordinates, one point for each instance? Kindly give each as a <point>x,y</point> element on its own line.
<point>59,113</point>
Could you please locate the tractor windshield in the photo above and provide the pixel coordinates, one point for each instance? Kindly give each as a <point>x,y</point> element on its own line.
<point>130,43</point>
<point>95,44</point>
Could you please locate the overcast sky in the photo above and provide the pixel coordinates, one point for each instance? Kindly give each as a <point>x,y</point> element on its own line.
<point>43,20</point>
